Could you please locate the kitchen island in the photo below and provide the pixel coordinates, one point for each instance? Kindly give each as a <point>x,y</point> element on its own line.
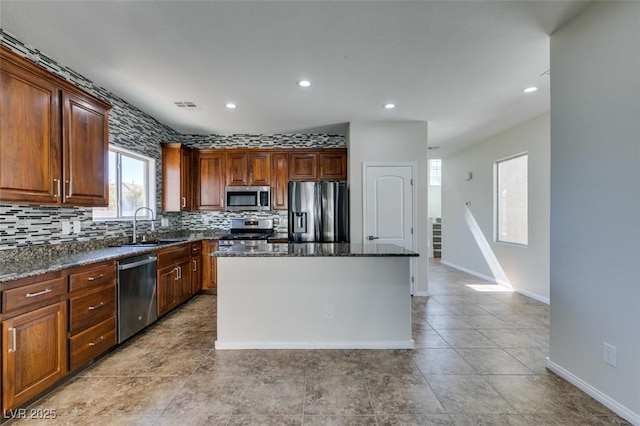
<point>314,296</point>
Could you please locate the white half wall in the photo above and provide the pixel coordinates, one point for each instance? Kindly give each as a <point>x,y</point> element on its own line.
<point>595,203</point>
<point>468,231</point>
<point>391,142</point>
<point>299,302</point>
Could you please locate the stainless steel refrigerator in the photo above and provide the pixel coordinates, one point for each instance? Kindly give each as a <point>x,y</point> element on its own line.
<point>318,212</point>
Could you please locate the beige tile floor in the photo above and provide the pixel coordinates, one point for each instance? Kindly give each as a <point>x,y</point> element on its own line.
<point>479,360</point>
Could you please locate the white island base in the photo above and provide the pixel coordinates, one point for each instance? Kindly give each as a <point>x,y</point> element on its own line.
<point>314,303</point>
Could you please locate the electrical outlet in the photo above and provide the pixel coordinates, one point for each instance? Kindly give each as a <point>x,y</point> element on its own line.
<point>609,354</point>
<point>76,227</point>
<point>328,311</point>
<point>164,222</point>
<point>66,228</point>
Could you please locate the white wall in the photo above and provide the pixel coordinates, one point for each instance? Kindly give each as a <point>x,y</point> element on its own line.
<point>391,142</point>
<point>435,201</point>
<point>526,269</point>
<point>595,202</point>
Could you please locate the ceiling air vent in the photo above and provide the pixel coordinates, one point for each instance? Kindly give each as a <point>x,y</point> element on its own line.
<point>189,105</point>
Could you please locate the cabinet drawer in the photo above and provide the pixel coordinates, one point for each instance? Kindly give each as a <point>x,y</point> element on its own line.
<point>33,293</point>
<point>92,277</point>
<point>92,342</point>
<point>89,309</point>
<point>172,254</point>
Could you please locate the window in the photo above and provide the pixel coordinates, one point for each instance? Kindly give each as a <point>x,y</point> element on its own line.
<point>435,172</point>
<point>131,185</point>
<point>512,222</point>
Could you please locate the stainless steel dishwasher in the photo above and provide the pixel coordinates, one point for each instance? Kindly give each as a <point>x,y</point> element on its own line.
<point>137,301</point>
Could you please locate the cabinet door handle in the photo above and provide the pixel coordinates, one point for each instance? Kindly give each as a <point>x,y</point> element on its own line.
<point>99,305</point>
<point>97,341</point>
<point>39,293</point>
<point>12,347</point>
<point>184,201</point>
<point>180,271</point>
<point>177,276</point>
<point>195,265</point>
<point>56,184</point>
<point>95,278</point>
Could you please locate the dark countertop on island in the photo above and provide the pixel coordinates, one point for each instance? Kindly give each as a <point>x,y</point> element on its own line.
<point>314,250</point>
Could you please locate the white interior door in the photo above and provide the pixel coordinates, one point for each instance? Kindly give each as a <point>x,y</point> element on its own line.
<point>388,204</point>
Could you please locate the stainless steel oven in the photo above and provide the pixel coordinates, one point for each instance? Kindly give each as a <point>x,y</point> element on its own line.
<point>250,232</point>
<point>242,198</point>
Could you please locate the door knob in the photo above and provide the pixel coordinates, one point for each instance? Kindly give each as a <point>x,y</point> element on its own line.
<point>371,237</point>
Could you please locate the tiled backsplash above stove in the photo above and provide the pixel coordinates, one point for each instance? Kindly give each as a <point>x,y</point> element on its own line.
<point>26,225</point>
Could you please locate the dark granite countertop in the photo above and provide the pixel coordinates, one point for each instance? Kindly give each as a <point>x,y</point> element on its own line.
<point>12,269</point>
<point>314,249</point>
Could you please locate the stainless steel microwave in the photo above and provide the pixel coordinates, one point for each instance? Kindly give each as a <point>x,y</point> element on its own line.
<point>242,198</point>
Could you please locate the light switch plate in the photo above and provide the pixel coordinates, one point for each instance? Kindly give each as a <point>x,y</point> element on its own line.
<point>76,227</point>
<point>66,228</point>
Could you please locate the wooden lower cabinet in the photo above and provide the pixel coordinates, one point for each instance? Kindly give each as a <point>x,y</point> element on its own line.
<point>173,277</point>
<point>92,312</point>
<point>35,353</point>
<point>94,341</point>
<point>167,277</point>
<point>210,274</point>
<point>196,267</point>
<point>184,291</point>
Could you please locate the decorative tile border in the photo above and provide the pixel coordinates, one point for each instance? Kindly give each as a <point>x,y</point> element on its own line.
<point>24,226</point>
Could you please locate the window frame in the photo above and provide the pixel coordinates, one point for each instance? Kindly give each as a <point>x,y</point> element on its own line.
<point>431,168</point>
<point>150,184</point>
<point>496,204</point>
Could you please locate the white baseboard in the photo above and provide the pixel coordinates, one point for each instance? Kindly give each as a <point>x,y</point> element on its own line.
<point>535,296</point>
<point>422,294</point>
<point>470,272</point>
<point>377,344</point>
<point>602,398</point>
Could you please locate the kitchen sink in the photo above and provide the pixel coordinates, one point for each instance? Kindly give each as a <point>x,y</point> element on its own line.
<point>150,243</point>
<point>154,243</point>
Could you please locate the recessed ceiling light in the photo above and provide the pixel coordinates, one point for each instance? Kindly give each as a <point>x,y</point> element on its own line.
<point>231,105</point>
<point>389,106</point>
<point>304,83</point>
<point>530,89</point>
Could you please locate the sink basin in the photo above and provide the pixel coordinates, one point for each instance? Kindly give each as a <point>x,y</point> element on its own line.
<point>150,243</point>
<point>154,243</point>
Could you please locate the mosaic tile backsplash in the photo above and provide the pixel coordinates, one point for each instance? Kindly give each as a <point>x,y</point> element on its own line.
<point>27,225</point>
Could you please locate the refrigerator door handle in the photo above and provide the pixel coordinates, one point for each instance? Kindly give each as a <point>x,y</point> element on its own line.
<point>318,211</point>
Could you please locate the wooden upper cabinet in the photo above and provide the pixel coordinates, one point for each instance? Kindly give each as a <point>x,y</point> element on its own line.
<point>85,151</point>
<point>279,180</point>
<point>259,168</point>
<point>53,138</point>
<point>333,165</point>
<point>303,166</point>
<point>248,168</point>
<point>177,179</point>
<point>186,179</point>
<point>237,169</point>
<point>210,180</point>
<point>30,169</point>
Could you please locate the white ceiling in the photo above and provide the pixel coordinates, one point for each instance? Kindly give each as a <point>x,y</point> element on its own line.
<point>459,65</point>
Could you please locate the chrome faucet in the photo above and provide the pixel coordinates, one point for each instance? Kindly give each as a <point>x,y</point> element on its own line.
<point>135,220</point>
